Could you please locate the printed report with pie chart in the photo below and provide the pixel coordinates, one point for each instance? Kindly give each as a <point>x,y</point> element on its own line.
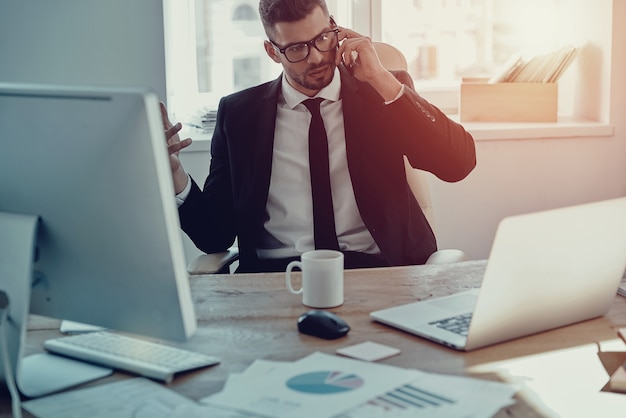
<point>319,385</point>
<point>326,382</point>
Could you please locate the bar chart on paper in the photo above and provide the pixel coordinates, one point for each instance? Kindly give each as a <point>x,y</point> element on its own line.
<point>325,382</point>
<point>409,396</point>
<point>437,395</point>
<point>407,400</point>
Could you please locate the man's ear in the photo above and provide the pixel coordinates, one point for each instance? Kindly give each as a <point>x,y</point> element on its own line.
<point>271,51</point>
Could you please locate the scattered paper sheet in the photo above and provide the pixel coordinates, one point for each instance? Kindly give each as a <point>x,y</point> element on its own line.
<point>130,398</point>
<point>319,385</point>
<point>435,395</point>
<point>368,351</point>
<point>322,385</point>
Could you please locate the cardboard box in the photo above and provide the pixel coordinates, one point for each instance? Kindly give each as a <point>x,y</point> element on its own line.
<point>508,102</point>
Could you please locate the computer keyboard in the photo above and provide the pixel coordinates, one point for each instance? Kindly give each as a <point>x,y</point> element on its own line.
<point>458,324</point>
<point>145,358</point>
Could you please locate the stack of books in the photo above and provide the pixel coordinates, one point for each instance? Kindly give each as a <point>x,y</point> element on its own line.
<point>542,68</point>
<point>203,120</point>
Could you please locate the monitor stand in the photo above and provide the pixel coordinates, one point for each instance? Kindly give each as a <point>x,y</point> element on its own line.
<point>38,374</point>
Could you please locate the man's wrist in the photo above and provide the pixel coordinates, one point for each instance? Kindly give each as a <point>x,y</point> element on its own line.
<point>400,93</point>
<point>182,195</point>
<point>181,180</point>
<point>387,86</point>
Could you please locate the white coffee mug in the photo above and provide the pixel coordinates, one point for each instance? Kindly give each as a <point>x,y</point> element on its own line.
<point>322,278</point>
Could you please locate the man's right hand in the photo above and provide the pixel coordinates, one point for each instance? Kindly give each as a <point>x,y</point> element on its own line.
<point>174,145</point>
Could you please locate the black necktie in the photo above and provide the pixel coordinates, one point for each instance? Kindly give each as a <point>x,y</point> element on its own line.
<point>323,213</point>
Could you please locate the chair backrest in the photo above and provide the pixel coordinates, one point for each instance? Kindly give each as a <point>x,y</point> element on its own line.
<point>390,57</point>
<point>393,59</point>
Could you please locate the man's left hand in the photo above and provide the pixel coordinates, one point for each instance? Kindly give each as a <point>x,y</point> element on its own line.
<point>358,54</point>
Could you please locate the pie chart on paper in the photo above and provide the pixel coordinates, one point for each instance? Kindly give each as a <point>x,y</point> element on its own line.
<point>325,382</point>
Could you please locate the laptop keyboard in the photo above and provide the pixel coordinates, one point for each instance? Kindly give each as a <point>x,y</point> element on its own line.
<point>458,324</point>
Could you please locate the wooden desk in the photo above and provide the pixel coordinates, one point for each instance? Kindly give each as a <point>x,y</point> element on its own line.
<point>246,317</point>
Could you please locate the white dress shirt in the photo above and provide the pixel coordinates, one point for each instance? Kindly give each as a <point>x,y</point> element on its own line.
<point>289,206</point>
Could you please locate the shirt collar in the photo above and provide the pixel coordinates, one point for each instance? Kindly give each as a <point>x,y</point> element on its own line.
<point>293,97</point>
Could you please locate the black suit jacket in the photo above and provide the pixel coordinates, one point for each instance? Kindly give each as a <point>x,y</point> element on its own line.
<point>232,202</point>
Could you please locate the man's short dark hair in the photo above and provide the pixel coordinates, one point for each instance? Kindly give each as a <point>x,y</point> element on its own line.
<point>275,11</point>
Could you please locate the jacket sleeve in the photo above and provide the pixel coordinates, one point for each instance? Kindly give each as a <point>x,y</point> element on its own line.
<point>207,216</point>
<point>430,140</point>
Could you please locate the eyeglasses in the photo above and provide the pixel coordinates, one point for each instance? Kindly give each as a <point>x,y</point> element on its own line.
<point>324,42</point>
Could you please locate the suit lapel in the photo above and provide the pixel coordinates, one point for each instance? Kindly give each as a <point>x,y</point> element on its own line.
<point>351,104</point>
<point>262,145</point>
<point>359,112</point>
<point>264,131</point>
<point>356,117</point>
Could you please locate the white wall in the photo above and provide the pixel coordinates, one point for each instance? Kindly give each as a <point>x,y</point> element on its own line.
<point>517,176</point>
<point>104,43</point>
<point>78,42</point>
<point>514,177</point>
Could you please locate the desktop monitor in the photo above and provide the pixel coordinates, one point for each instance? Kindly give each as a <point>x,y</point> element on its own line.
<point>91,166</point>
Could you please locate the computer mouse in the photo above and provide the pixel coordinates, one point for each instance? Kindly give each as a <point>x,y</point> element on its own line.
<point>322,324</point>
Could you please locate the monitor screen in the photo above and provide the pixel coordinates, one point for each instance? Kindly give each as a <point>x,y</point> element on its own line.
<point>92,164</point>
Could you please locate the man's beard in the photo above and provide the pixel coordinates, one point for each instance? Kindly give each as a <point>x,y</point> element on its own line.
<point>311,83</point>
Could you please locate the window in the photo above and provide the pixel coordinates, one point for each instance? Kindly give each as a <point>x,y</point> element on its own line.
<point>245,12</point>
<point>215,47</point>
<point>447,40</point>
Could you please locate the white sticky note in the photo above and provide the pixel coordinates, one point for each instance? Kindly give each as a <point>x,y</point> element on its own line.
<point>368,351</point>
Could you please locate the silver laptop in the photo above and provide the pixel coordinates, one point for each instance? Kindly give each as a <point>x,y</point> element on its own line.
<point>545,270</point>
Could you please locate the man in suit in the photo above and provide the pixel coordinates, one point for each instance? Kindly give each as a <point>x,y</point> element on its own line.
<point>260,188</point>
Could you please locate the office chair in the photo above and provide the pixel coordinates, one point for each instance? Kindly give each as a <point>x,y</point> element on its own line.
<point>392,59</point>
<point>214,263</point>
